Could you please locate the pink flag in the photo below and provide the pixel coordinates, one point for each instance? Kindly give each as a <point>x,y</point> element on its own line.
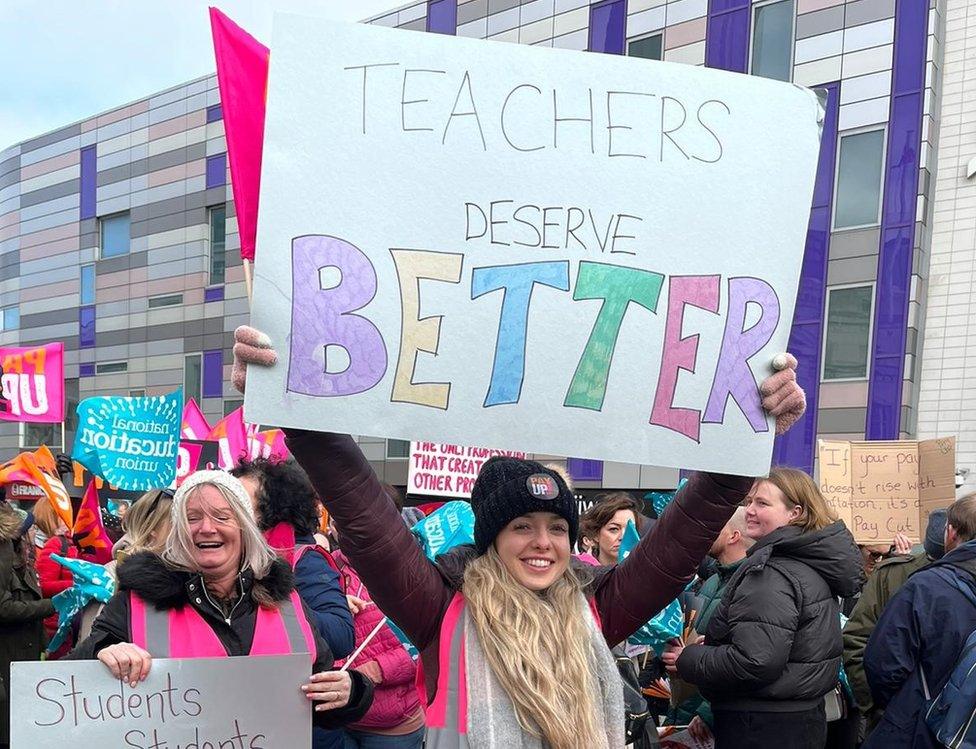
<point>242,75</point>
<point>32,384</point>
<point>194,425</point>
<point>89,533</point>
<point>231,436</point>
<point>269,444</point>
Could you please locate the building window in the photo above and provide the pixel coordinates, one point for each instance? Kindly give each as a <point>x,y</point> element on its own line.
<point>87,284</point>
<point>232,405</point>
<point>859,167</point>
<point>218,241</point>
<point>398,448</point>
<point>112,367</point>
<point>10,318</point>
<point>772,40</point>
<point>114,232</point>
<point>848,340</point>
<point>650,47</point>
<point>216,170</point>
<point>192,376</point>
<point>170,300</point>
<point>137,393</point>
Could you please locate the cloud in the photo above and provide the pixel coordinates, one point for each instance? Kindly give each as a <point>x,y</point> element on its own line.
<point>65,60</point>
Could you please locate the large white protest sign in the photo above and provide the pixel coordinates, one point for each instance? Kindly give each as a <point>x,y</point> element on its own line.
<point>524,248</point>
<point>200,703</point>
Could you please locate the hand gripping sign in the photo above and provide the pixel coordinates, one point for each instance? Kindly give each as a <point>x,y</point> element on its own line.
<point>526,248</point>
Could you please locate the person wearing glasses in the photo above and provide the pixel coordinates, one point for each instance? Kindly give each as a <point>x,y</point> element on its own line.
<point>217,579</point>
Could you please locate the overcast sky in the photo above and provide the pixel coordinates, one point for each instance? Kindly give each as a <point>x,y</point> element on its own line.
<point>65,60</point>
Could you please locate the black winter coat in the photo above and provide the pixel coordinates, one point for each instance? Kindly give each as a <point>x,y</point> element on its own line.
<point>156,583</point>
<point>22,610</point>
<point>774,643</point>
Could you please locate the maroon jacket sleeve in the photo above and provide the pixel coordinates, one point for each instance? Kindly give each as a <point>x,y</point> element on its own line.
<point>631,593</point>
<point>404,584</point>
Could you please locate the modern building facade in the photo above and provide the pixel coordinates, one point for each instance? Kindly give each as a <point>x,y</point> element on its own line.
<point>118,233</point>
<point>947,399</point>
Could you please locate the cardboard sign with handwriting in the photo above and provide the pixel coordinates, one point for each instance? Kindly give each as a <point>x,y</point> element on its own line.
<point>886,487</point>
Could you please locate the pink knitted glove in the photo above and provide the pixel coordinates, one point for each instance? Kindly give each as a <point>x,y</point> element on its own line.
<point>782,396</point>
<point>250,347</point>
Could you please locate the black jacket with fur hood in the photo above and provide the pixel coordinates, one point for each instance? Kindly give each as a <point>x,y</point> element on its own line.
<point>166,588</point>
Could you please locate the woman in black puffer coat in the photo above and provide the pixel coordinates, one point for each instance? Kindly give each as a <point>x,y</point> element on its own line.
<point>773,647</point>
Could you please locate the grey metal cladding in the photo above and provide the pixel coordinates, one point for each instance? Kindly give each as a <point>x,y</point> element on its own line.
<point>49,138</point>
<point>820,22</point>
<point>855,243</point>
<point>124,262</point>
<point>207,198</point>
<point>841,420</point>
<point>472,11</point>
<point>10,165</point>
<point>169,223</point>
<point>70,342</point>
<point>181,155</point>
<point>53,192</point>
<point>158,209</point>
<point>497,6</point>
<point>866,11</point>
<point>114,174</point>
<point>54,317</point>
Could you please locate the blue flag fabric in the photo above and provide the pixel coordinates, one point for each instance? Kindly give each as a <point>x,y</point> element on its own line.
<point>130,442</point>
<point>669,623</point>
<point>450,525</point>
<point>660,500</point>
<point>91,583</point>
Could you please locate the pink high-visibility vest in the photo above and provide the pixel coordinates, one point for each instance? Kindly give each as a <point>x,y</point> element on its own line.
<point>184,633</point>
<point>447,715</point>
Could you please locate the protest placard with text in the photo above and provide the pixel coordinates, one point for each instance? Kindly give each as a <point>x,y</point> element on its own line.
<point>881,488</point>
<point>530,249</point>
<point>132,443</point>
<point>32,384</point>
<point>440,470</point>
<point>246,703</point>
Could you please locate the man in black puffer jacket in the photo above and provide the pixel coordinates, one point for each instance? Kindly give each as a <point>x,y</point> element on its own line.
<point>774,644</point>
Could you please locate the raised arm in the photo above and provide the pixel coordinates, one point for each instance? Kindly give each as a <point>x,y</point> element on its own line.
<point>666,558</point>
<point>402,581</point>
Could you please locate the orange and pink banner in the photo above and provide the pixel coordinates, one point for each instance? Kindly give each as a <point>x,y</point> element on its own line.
<point>32,384</point>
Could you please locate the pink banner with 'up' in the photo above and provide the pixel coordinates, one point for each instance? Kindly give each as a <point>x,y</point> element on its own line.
<point>32,383</point>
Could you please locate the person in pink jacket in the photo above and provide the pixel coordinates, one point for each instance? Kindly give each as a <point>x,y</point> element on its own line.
<point>396,718</point>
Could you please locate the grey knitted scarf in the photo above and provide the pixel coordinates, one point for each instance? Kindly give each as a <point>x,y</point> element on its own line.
<point>492,723</point>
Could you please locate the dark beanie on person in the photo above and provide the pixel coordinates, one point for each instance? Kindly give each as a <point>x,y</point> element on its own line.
<point>934,541</point>
<point>507,488</point>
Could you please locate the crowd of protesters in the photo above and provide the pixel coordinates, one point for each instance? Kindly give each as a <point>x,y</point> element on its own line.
<point>521,638</point>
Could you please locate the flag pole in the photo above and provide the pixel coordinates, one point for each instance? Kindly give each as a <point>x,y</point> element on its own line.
<point>248,283</point>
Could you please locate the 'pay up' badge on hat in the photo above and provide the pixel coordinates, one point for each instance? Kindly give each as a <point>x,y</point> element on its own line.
<point>542,486</point>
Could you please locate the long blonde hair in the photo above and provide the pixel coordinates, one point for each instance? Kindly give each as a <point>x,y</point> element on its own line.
<point>144,520</point>
<point>538,647</point>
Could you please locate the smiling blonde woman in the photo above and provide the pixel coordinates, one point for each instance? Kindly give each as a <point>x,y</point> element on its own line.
<point>219,580</point>
<point>514,639</point>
